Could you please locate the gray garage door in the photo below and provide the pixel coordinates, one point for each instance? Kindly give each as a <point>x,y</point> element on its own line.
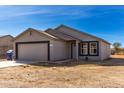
<point>33,51</point>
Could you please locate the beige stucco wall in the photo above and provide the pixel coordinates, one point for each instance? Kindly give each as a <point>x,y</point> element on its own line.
<point>105,51</point>
<point>58,48</point>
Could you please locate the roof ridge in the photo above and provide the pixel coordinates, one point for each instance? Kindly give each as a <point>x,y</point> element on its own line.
<point>48,34</point>
<point>68,35</point>
<point>47,31</point>
<point>59,34</point>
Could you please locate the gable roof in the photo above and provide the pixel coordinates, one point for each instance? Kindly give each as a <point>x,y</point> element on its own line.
<point>40,32</point>
<point>60,35</point>
<point>84,33</point>
<point>1,36</point>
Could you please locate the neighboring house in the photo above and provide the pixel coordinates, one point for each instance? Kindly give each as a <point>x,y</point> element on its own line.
<point>60,43</point>
<point>6,43</point>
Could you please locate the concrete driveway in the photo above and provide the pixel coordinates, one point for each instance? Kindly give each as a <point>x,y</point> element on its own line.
<point>4,64</point>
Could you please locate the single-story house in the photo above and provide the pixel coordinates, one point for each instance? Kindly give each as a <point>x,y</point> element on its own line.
<point>60,43</point>
<point>6,43</point>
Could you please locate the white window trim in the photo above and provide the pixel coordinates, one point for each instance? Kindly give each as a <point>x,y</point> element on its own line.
<point>88,48</point>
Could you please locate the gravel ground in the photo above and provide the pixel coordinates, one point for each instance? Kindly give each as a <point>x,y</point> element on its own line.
<point>109,73</point>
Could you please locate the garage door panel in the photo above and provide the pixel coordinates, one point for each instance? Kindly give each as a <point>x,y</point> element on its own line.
<point>33,51</point>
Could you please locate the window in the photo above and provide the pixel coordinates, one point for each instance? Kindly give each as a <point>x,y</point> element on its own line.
<point>93,48</point>
<point>84,48</point>
<point>89,48</point>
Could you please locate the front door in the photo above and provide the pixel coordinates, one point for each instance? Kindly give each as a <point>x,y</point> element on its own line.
<point>73,50</point>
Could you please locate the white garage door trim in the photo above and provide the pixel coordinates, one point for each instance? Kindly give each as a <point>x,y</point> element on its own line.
<point>33,42</point>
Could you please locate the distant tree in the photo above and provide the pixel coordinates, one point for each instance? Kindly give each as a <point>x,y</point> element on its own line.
<point>117,47</point>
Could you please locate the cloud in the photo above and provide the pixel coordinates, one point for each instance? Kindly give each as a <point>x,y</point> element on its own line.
<point>70,12</point>
<point>29,13</point>
<point>8,12</point>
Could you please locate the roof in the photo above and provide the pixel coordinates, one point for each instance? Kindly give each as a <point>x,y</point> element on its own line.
<point>47,34</point>
<point>39,31</point>
<point>56,34</point>
<point>82,33</point>
<point>1,36</point>
<point>60,35</point>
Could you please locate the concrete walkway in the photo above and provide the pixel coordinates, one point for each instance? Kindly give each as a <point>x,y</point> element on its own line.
<point>4,64</point>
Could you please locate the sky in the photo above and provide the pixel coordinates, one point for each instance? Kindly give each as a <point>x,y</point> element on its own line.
<point>106,22</point>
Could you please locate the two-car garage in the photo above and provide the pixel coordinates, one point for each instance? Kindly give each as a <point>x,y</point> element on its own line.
<point>38,50</point>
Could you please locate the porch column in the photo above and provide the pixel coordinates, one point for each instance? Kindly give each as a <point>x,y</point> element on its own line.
<point>76,48</point>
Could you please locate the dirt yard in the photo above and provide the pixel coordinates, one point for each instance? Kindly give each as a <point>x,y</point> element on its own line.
<point>109,73</point>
